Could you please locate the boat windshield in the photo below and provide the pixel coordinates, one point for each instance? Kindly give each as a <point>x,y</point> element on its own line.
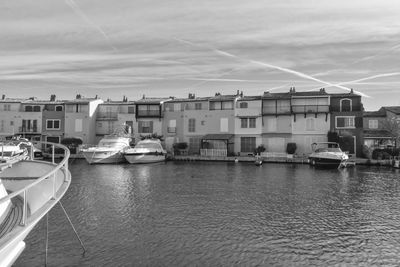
<point>148,145</point>
<point>111,144</point>
<point>328,149</point>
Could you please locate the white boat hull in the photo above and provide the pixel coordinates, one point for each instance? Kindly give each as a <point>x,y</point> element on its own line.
<point>106,157</point>
<point>144,158</point>
<point>40,199</point>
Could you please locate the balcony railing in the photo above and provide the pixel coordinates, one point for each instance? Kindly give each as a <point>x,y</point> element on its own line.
<point>274,111</point>
<point>171,129</point>
<point>107,116</point>
<point>310,108</point>
<point>23,129</point>
<point>213,152</point>
<point>148,113</point>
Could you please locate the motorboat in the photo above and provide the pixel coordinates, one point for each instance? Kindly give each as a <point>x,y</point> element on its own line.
<point>146,151</point>
<point>28,190</point>
<point>328,155</point>
<point>12,151</point>
<point>109,150</point>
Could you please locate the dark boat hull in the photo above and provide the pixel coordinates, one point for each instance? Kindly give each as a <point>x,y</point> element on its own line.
<point>325,162</point>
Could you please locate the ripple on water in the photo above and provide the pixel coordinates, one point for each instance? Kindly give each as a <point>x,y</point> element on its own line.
<point>223,214</point>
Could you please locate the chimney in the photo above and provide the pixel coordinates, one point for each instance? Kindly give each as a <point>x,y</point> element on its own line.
<point>241,93</point>
<point>53,98</point>
<point>192,96</point>
<point>78,96</point>
<point>144,96</point>
<point>351,91</point>
<point>3,97</point>
<point>237,93</point>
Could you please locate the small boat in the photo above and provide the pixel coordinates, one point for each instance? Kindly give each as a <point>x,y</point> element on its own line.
<point>28,190</point>
<point>146,151</point>
<point>109,150</point>
<point>327,155</point>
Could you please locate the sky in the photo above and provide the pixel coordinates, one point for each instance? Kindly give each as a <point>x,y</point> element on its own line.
<point>173,48</point>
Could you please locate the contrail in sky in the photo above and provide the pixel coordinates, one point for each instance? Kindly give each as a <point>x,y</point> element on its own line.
<point>263,64</point>
<point>80,13</point>
<point>364,79</point>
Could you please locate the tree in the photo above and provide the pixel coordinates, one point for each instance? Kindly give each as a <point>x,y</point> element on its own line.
<point>392,126</point>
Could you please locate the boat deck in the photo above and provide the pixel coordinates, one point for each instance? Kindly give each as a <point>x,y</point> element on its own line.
<point>14,216</point>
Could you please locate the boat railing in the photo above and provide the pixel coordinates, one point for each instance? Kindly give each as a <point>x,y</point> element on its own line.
<point>51,175</point>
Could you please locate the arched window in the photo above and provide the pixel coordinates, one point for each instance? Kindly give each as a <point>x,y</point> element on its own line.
<point>243,105</point>
<point>345,105</point>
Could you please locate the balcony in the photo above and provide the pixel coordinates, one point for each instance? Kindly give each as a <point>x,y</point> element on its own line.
<point>310,108</point>
<point>148,113</point>
<point>171,130</point>
<point>22,129</point>
<point>109,116</point>
<point>276,111</point>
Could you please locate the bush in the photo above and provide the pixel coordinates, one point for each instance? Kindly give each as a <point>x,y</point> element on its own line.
<point>291,148</point>
<point>385,153</point>
<point>182,145</point>
<point>259,149</point>
<point>333,137</point>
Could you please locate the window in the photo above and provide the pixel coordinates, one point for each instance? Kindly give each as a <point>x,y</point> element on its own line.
<point>243,122</point>
<point>29,126</point>
<point>227,105</point>
<point>7,107</point>
<point>192,125</point>
<point>59,108</point>
<point>252,122</point>
<point>36,108</point>
<point>145,127</point>
<point>131,109</point>
<point>345,122</point>
<point>197,106</point>
<point>243,105</point>
<point>224,124</point>
<point>345,105</point>
<point>99,125</point>
<point>52,124</point>
<point>28,109</point>
<point>310,124</point>
<point>11,123</point>
<point>78,125</point>
<point>247,144</point>
<point>203,123</point>
<point>373,124</point>
<point>215,105</point>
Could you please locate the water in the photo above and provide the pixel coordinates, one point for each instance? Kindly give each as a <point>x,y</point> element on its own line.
<point>222,214</point>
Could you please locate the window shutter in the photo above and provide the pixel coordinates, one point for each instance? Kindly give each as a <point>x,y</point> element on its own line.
<point>151,127</point>
<point>339,122</point>
<point>140,126</point>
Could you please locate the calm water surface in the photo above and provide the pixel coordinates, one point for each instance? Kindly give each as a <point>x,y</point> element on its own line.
<point>222,214</point>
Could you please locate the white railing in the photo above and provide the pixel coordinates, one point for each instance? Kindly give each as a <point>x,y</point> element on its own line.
<point>274,155</point>
<point>213,152</point>
<point>63,165</point>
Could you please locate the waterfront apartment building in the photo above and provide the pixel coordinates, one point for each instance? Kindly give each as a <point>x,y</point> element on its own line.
<point>347,121</point>
<point>375,132</point>
<point>30,118</point>
<point>149,114</point>
<point>10,113</point>
<point>113,116</point>
<point>80,118</point>
<point>185,121</point>
<point>53,124</point>
<point>248,124</point>
<point>276,121</point>
<point>310,119</point>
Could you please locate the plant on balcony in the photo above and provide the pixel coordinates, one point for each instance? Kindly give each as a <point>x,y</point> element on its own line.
<point>291,148</point>
<point>152,136</point>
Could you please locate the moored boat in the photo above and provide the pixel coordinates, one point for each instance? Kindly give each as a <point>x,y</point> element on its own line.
<point>109,150</point>
<point>146,151</point>
<point>327,155</point>
<point>28,190</point>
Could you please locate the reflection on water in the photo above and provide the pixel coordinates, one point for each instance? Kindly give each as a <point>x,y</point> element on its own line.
<point>223,214</point>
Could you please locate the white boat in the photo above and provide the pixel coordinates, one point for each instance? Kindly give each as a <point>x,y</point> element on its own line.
<point>28,190</point>
<point>12,151</point>
<point>146,151</point>
<point>327,155</point>
<point>109,150</point>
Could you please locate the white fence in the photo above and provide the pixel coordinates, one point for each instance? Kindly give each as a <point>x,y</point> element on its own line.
<point>213,152</point>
